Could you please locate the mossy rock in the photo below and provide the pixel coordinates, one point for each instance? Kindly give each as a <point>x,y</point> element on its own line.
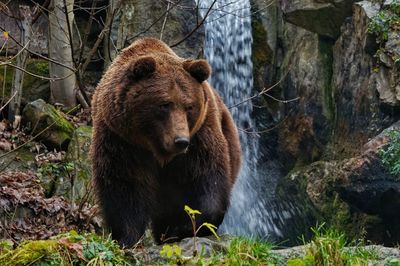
<point>44,119</point>
<point>79,167</point>
<point>21,159</point>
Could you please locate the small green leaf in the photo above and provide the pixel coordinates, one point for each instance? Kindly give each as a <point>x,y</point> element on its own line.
<point>177,250</point>
<point>190,211</point>
<point>212,228</point>
<point>166,251</point>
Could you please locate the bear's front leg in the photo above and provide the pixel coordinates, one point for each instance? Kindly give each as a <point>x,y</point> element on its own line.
<point>123,185</point>
<point>124,210</point>
<point>213,194</point>
<point>208,193</point>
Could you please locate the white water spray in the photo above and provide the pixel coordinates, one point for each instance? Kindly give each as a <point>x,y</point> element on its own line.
<point>228,45</point>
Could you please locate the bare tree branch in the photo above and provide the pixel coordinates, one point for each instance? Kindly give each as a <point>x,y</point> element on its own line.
<point>165,21</point>
<point>106,28</point>
<point>263,91</point>
<point>197,26</point>
<point>37,54</point>
<point>9,100</point>
<point>35,75</point>
<point>154,22</point>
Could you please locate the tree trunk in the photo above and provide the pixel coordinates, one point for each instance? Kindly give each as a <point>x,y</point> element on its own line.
<point>61,17</point>
<point>25,22</point>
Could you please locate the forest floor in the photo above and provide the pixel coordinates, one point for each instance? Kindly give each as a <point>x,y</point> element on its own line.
<point>40,226</point>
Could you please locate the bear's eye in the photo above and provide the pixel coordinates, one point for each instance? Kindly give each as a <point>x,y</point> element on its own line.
<point>189,109</point>
<point>165,107</point>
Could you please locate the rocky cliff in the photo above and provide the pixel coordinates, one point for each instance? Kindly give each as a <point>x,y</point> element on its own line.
<point>339,63</point>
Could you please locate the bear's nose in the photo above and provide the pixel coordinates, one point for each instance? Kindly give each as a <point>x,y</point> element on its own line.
<point>181,142</point>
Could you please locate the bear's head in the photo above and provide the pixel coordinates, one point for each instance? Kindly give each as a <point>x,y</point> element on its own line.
<point>162,103</point>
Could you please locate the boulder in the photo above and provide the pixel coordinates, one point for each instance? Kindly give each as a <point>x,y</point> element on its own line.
<point>264,23</point>
<point>330,15</point>
<point>364,95</point>
<point>355,194</point>
<point>44,119</point>
<point>306,123</point>
<point>77,186</point>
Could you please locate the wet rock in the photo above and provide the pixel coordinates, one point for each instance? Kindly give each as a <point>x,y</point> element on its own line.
<point>264,23</point>
<point>329,14</point>
<point>360,92</point>
<point>360,190</point>
<point>384,254</point>
<point>206,246</point>
<point>55,131</point>
<point>307,121</point>
<point>22,159</point>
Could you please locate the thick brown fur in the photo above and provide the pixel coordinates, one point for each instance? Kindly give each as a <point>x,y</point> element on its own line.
<point>149,104</point>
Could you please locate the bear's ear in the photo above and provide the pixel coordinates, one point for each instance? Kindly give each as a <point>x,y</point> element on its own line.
<point>141,68</point>
<point>199,69</point>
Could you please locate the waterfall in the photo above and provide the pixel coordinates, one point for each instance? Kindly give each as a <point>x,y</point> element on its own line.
<point>228,44</point>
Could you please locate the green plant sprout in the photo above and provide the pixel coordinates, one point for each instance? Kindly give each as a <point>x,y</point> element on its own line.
<point>390,155</point>
<point>192,215</point>
<point>174,252</point>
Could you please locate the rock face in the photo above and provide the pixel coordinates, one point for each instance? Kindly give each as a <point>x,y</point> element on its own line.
<point>40,116</point>
<point>323,17</point>
<point>359,193</point>
<point>171,22</point>
<point>80,188</point>
<point>344,83</point>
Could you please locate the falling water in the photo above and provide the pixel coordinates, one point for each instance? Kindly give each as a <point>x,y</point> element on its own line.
<point>228,41</point>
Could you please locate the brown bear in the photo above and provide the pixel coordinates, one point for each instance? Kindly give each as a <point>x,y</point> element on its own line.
<point>162,139</point>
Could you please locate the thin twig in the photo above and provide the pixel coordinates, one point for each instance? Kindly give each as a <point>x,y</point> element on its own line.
<point>165,21</point>
<point>38,54</point>
<point>263,91</point>
<point>9,100</point>
<point>265,130</point>
<point>4,76</point>
<point>35,75</point>
<point>15,56</point>
<point>197,26</point>
<point>282,101</point>
<point>106,28</point>
<point>154,22</point>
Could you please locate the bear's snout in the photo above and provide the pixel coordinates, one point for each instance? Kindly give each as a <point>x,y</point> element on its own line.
<point>181,143</point>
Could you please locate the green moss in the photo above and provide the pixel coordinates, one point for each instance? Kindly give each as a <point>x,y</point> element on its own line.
<point>59,119</point>
<point>66,249</point>
<point>390,155</point>
<point>387,20</point>
<point>30,252</point>
<point>36,66</point>
<point>326,51</point>
<point>340,217</point>
<point>261,53</point>
<point>78,154</point>
<point>42,117</point>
